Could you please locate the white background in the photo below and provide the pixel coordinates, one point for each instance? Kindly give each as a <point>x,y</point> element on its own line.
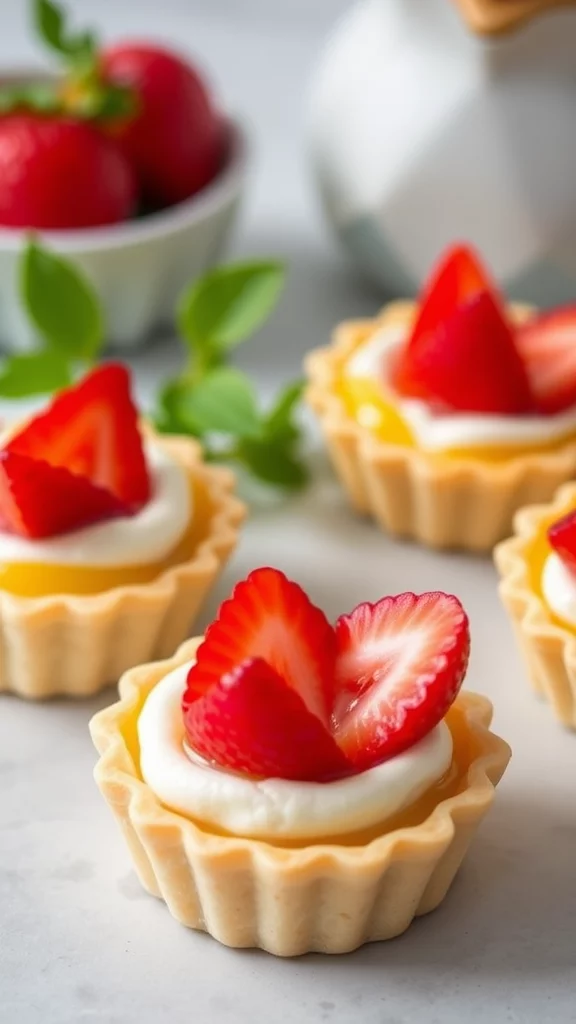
<point>79,940</point>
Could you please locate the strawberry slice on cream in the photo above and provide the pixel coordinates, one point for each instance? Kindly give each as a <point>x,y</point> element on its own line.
<point>387,674</point>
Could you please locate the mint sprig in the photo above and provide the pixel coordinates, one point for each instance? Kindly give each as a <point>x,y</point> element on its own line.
<point>217,402</point>
<point>209,399</point>
<point>61,303</point>
<point>63,307</point>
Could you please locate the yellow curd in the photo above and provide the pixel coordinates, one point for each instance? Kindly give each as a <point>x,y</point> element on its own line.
<point>43,580</point>
<point>374,410</point>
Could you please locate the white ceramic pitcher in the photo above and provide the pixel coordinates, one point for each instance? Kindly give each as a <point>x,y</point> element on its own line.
<point>438,120</point>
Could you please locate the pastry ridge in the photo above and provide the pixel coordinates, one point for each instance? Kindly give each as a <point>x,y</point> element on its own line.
<point>548,649</point>
<point>288,901</point>
<point>441,502</point>
<point>75,645</point>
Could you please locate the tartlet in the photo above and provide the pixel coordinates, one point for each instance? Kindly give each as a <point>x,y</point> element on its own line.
<point>290,897</point>
<point>454,499</point>
<point>63,642</point>
<point>546,642</point>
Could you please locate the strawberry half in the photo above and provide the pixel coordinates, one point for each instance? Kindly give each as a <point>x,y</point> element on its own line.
<point>400,664</point>
<point>271,668</point>
<point>91,429</point>
<point>562,537</point>
<point>547,345</point>
<point>461,355</point>
<point>270,618</point>
<point>251,721</point>
<point>469,364</point>
<point>39,500</point>
<point>458,277</point>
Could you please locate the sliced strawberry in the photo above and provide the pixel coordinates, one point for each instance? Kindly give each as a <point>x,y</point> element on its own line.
<point>92,430</point>
<point>251,721</point>
<point>469,363</point>
<point>400,664</point>
<point>271,618</point>
<point>458,277</point>
<point>547,345</point>
<point>562,537</point>
<point>40,500</point>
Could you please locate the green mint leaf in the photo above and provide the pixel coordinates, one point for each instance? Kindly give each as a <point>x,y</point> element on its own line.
<point>173,415</point>
<point>79,50</point>
<point>279,423</point>
<point>39,373</point>
<point>61,303</point>
<point>274,463</point>
<point>224,402</point>
<point>227,305</point>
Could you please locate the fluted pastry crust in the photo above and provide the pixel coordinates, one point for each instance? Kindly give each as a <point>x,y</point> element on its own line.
<point>245,892</point>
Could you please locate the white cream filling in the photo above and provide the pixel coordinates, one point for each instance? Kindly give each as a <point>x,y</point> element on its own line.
<point>559,589</point>
<point>147,536</point>
<point>434,431</point>
<point>276,808</point>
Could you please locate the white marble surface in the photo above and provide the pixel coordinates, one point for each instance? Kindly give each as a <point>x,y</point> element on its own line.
<point>79,941</point>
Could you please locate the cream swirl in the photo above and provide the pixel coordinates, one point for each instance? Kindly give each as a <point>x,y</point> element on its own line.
<point>276,808</point>
<point>436,431</point>
<point>148,536</point>
<point>559,589</point>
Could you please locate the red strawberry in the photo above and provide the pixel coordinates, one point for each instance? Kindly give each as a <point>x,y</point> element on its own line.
<point>59,173</point>
<point>547,345</point>
<point>400,664</point>
<point>40,500</point>
<point>256,698</point>
<point>176,140</point>
<point>458,277</point>
<point>251,721</point>
<point>469,363</point>
<point>562,537</point>
<point>270,618</point>
<point>92,430</point>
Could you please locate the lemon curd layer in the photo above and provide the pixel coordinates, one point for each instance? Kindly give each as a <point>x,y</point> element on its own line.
<point>42,580</point>
<point>375,409</point>
<point>454,781</point>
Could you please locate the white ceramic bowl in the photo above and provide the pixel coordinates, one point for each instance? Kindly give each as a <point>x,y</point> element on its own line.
<point>138,268</point>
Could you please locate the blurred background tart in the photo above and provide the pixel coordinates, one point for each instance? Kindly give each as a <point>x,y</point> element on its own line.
<point>442,417</point>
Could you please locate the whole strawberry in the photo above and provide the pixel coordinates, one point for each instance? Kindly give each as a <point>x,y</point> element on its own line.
<point>61,173</point>
<point>175,141</point>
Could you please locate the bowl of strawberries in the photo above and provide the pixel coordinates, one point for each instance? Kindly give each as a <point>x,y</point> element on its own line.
<point>124,162</point>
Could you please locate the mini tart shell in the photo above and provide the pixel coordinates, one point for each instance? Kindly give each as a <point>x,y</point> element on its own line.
<point>442,502</point>
<point>548,648</point>
<point>245,892</point>
<point>76,645</point>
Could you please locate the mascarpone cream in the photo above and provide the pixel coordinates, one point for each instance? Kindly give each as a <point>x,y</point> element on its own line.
<point>147,536</point>
<point>276,808</point>
<point>559,589</point>
<point>442,431</point>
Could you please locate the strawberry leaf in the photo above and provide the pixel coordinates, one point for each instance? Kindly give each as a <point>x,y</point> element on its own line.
<point>39,373</point>
<point>61,303</point>
<point>228,304</point>
<point>39,96</point>
<point>79,50</point>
